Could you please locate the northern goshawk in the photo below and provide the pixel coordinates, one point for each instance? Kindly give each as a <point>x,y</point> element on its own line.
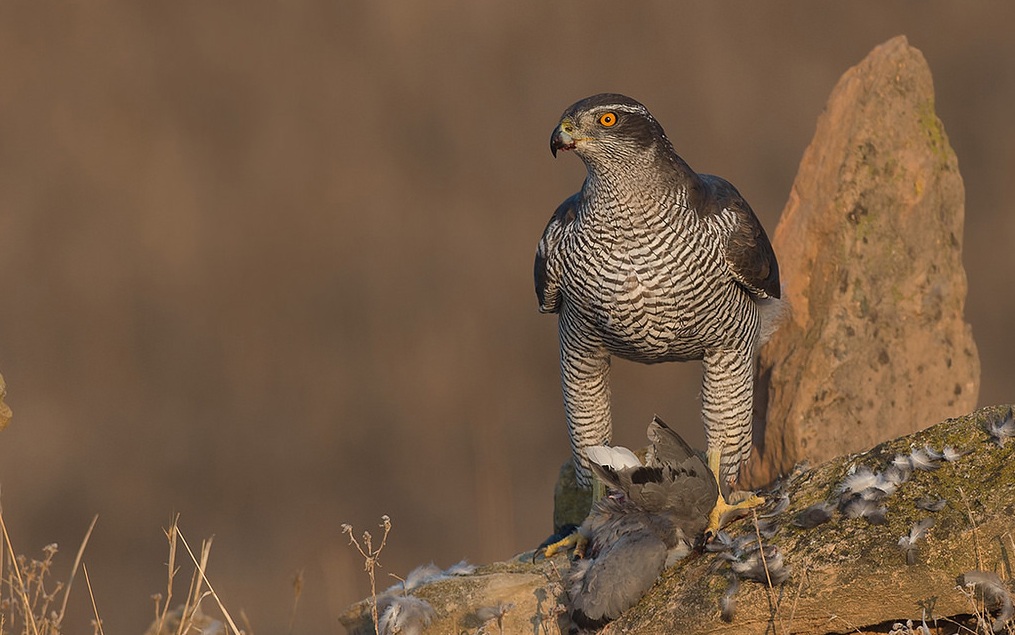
<point>653,262</point>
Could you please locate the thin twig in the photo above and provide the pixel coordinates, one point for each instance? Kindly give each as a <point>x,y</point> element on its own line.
<point>74,569</point>
<point>963,627</point>
<point>1007,554</point>
<point>768,590</point>
<point>95,609</point>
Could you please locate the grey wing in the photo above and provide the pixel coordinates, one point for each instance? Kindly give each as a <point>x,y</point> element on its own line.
<point>668,447</point>
<point>617,578</point>
<point>749,253</point>
<point>676,478</point>
<point>684,474</point>
<point>546,268</point>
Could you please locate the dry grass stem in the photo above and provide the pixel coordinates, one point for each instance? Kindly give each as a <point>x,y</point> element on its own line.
<point>91,595</point>
<point>29,607</point>
<point>188,617</point>
<point>74,569</point>
<point>201,568</point>
<point>1006,554</point>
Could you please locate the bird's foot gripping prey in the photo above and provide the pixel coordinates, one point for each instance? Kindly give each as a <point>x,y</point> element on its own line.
<point>577,540</point>
<point>652,262</point>
<point>653,517</point>
<point>724,510</point>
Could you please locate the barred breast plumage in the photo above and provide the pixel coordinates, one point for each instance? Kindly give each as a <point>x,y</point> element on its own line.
<point>652,262</point>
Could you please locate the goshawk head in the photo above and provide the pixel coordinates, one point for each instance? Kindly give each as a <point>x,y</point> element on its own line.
<point>606,128</point>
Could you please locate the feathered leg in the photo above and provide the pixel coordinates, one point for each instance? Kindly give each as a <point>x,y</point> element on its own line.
<point>584,374</point>
<point>727,395</point>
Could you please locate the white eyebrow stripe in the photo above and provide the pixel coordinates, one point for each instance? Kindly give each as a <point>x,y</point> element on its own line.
<point>624,108</point>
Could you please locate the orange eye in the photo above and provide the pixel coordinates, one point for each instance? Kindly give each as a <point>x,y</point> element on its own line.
<point>608,119</point>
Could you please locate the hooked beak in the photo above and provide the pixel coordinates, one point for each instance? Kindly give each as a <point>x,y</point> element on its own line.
<point>561,138</point>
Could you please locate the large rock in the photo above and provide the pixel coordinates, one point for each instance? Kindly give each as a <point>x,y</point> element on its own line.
<point>846,576</point>
<point>870,246</point>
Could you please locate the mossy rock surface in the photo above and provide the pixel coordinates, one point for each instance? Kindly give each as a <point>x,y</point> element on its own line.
<point>848,575</point>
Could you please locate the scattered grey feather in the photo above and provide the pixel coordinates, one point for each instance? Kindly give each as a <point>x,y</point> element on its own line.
<point>816,514</point>
<point>951,455</point>
<point>495,613</point>
<point>919,529</point>
<point>781,503</point>
<point>909,628</point>
<point>768,527</point>
<point>932,453</point>
<point>878,516</point>
<point>923,461</point>
<point>721,542</point>
<point>992,592</point>
<point>753,566</point>
<point>908,550</point>
<point>858,480</point>
<point>419,576</point>
<point>908,542</point>
<point>745,543</point>
<point>896,475</point>
<point>901,461</point>
<point>405,615</point>
<point>860,507</point>
<point>883,488</point>
<point>1002,429</point>
<point>460,568</point>
<point>728,600</point>
<point>931,504</point>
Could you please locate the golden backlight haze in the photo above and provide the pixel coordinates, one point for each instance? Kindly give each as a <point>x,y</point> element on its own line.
<point>269,265</point>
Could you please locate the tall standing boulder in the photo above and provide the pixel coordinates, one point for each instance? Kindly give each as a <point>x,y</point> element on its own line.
<point>870,247</point>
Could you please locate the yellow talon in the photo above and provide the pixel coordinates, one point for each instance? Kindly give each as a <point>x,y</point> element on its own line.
<point>576,540</point>
<point>723,509</point>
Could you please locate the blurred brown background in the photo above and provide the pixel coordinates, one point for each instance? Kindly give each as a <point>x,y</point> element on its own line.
<point>269,266</point>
